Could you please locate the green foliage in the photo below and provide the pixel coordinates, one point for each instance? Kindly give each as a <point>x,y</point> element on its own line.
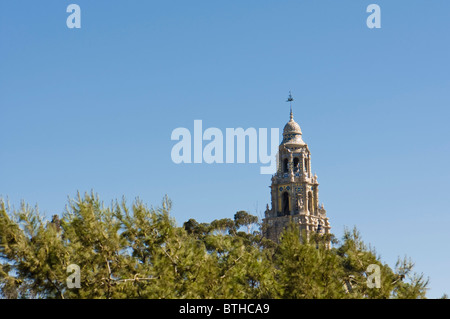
<point>307,269</point>
<point>139,252</point>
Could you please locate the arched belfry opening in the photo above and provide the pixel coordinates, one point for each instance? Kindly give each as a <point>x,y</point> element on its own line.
<point>285,203</point>
<point>296,164</point>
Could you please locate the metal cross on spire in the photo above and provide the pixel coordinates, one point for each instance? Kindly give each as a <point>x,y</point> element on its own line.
<point>290,99</point>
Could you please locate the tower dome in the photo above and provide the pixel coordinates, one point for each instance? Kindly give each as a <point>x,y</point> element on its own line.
<point>292,133</point>
<point>292,127</point>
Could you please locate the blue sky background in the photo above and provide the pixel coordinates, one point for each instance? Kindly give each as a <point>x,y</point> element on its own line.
<point>94,108</point>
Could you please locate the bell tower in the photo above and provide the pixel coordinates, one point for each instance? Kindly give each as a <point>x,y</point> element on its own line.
<point>294,190</point>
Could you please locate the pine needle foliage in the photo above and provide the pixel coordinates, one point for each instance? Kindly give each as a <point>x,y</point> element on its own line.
<point>135,251</point>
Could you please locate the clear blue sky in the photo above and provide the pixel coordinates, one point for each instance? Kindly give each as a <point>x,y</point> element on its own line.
<point>94,108</point>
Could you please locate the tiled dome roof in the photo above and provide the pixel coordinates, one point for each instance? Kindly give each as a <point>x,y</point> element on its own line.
<point>292,127</point>
<point>292,133</point>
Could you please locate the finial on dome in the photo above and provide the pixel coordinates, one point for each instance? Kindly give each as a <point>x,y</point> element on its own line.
<point>292,134</point>
<point>290,99</point>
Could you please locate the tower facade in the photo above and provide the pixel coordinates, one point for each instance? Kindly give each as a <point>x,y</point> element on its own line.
<point>294,190</point>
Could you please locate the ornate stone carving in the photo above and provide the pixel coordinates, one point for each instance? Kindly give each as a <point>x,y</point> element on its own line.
<point>299,202</point>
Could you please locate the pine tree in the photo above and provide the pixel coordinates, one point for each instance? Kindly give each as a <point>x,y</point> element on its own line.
<point>137,251</point>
